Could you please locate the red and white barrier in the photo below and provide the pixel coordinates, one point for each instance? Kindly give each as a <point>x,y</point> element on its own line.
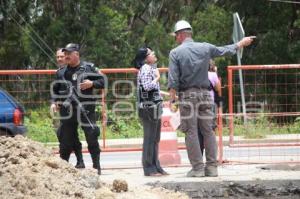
<point>168,149</point>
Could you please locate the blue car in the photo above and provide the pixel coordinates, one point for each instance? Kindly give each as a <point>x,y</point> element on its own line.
<point>11,115</point>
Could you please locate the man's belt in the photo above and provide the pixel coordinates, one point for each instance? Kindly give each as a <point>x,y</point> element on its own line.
<point>196,87</point>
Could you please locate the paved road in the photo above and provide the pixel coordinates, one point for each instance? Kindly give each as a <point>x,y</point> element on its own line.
<point>116,166</point>
<point>133,159</point>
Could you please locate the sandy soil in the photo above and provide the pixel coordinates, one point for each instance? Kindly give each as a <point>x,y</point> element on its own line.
<point>29,170</point>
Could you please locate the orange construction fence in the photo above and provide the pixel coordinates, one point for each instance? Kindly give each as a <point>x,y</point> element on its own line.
<point>272,102</point>
<point>268,118</point>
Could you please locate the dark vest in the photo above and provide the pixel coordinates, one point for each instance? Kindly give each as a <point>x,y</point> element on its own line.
<point>71,77</point>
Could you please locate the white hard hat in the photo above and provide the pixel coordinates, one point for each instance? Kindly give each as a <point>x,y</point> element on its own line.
<point>181,25</point>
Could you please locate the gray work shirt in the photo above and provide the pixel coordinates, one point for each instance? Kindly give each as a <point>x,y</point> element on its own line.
<point>189,62</point>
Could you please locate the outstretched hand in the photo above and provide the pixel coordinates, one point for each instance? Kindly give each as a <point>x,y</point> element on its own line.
<point>246,41</point>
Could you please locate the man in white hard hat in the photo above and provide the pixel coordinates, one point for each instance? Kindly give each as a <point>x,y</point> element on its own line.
<point>188,66</point>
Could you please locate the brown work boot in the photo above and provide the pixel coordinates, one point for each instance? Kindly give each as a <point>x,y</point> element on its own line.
<point>211,171</point>
<point>195,173</point>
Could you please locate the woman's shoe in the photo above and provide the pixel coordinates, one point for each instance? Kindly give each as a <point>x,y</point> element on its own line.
<point>164,173</point>
<point>154,174</point>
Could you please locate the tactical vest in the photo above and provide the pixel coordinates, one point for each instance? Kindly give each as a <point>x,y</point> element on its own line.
<point>77,77</point>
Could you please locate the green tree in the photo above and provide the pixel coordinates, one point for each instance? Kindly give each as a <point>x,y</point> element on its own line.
<point>13,19</point>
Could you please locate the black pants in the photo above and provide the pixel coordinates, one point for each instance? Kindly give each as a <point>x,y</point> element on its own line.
<point>152,128</point>
<point>68,142</point>
<point>68,134</point>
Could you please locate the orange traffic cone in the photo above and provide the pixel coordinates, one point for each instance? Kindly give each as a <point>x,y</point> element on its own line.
<point>168,149</point>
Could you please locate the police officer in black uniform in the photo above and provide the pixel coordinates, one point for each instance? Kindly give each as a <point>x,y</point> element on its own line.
<point>73,90</point>
<point>60,60</point>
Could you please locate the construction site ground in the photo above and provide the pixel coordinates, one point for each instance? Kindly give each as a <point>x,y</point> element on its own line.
<point>236,179</point>
<point>31,170</point>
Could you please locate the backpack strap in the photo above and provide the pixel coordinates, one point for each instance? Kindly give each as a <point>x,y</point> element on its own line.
<point>211,87</point>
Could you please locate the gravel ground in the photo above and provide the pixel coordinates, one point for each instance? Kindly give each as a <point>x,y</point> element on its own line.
<point>29,170</point>
<point>281,189</point>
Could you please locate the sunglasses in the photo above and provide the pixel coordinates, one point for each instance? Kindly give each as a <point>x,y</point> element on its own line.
<point>151,53</point>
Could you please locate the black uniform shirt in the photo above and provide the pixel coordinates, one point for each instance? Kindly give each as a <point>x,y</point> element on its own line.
<point>72,74</point>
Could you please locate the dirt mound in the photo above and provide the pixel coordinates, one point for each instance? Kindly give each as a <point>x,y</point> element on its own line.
<point>29,170</point>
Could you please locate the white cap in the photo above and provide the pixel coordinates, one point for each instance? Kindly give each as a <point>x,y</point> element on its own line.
<point>181,25</point>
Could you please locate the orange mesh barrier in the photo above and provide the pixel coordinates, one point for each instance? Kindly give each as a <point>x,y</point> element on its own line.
<point>269,129</point>
<point>116,109</point>
<point>272,102</point>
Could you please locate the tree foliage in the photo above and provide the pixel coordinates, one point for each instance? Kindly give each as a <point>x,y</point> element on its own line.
<point>111,31</point>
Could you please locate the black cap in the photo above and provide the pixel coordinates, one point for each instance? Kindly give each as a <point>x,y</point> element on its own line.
<point>140,57</point>
<point>71,47</point>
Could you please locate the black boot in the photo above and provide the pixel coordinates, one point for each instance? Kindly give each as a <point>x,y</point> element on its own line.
<point>65,155</point>
<point>96,162</point>
<point>80,163</point>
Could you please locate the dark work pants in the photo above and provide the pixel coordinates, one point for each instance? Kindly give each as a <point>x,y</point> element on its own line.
<point>201,140</point>
<point>214,126</point>
<point>196,113</point>
<point>152,129</point>
<point>68,134</point>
